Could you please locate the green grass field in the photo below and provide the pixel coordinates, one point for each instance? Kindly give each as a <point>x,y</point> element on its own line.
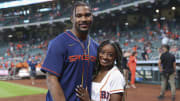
<point>11,90</point>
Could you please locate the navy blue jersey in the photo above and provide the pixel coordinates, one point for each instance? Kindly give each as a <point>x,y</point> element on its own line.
<point>32,65</point>
<point>67,60</point>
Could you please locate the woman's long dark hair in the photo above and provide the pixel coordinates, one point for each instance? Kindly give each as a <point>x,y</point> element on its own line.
<point>118,56</point>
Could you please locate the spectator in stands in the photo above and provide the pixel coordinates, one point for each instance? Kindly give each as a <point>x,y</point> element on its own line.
<point>135,48</point>
<point>7,64</point>
<point>165,39</point>
<point>1,66</point>
<point>132,66</point>
<point>145,55</point>
<point>11,70</point>
<point>1,18</point>
<point>19,65</point>
<point>167,68</point>
<point>177,37</point>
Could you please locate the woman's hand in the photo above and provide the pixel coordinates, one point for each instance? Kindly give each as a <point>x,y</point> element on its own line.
<point>82,93</point>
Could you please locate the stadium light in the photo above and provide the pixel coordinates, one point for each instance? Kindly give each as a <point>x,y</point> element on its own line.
<point>126,23</point>
<point>27,12</point>
<point>157,10</point>
<point>26,21</point>
<point>152,1</point>
<point>173,8</point>
<point>162,18</point>
<point>155,19</point>
<point>44,9</point>
<point>10,36</point>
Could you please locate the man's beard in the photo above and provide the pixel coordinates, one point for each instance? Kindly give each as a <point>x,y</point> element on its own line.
<point>82,31</point>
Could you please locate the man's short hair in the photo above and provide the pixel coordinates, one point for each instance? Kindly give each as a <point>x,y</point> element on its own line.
<point>79,3</point>
<point>166,46</point>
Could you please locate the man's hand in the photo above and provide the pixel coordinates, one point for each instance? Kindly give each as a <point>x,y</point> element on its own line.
<point>160,67</point>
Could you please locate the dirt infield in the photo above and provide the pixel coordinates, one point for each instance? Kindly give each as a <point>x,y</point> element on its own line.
<point>143,92</point>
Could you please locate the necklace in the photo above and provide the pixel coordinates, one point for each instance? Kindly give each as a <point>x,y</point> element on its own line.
<point>84,54</point>
<point>82,45</point>
<point>84,50</point>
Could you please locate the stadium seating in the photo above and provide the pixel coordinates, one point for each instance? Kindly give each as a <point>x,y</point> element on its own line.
<point>56,14</point>
<point>129,38</point>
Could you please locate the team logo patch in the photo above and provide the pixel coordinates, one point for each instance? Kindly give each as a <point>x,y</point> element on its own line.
<point>105,95</point>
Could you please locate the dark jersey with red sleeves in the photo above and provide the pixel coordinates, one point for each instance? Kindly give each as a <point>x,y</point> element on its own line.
<point>72,61</point>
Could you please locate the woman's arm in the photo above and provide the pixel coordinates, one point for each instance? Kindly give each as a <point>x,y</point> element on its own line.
<point>117,86</point>
<point>116,97</point>
<point>55,88</point>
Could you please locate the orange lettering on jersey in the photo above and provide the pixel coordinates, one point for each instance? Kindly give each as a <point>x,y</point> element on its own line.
<point>78,57</point>
<point>72,58</point>
<point>82,57</point>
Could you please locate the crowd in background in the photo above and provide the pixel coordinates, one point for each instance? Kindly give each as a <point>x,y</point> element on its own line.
<point>23,16</point>
<point>18,55</point>
<point>146,39</point>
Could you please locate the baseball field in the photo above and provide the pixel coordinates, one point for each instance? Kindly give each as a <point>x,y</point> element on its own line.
<point>22,90</point>
<point>11,90</point>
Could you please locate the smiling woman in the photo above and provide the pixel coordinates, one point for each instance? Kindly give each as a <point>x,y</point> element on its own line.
<point>108,81</point>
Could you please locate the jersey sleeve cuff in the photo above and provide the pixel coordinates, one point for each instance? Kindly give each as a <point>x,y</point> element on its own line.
<point>116,91</point>
<point>44,69</point>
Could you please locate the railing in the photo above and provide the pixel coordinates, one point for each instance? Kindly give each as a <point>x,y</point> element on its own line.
<point>148,72</point>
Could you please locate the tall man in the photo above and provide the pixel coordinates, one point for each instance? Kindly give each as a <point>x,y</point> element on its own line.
<point>167,68</point>
<point>71,57</point>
